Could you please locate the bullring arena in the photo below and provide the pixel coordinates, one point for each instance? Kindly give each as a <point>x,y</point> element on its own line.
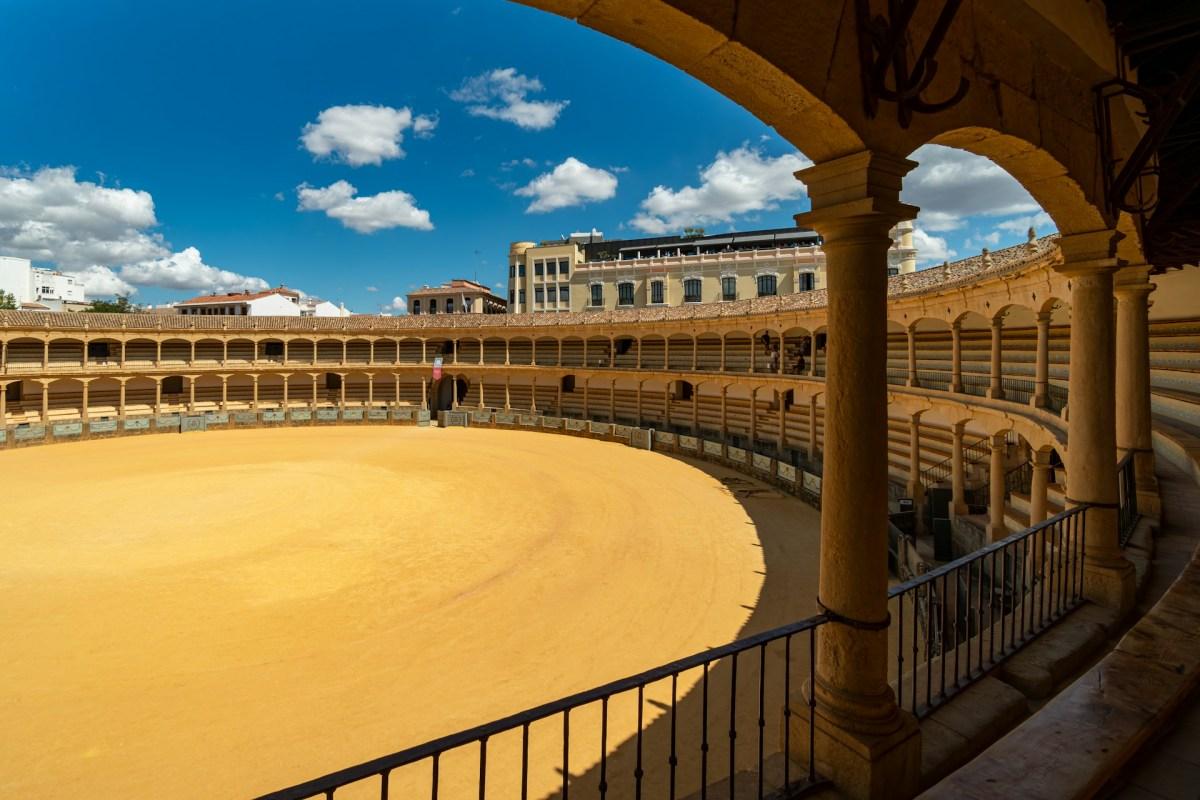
<point>317,547</point>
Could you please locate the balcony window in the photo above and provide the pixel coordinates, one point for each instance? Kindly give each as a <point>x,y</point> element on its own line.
<point>625,294</point>
<point>729,288</point>
<point>597,298</point>
<point>416,306</point>
<point>449,305</point>
<point>691,290</point>
<point>766,285</point>
<point>656,292</point>
<point>433,305</point>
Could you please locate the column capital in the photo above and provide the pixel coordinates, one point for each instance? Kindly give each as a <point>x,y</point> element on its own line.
<point>1133,279</point>
<point>863,184</point>
<point>1040,458</point>
<point>1094,251</point>
<point>1044,317</point>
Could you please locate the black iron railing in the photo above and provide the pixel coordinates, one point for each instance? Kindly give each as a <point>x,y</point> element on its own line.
<point>1056,398</point>
<point>1127,505</point>
<point>975,384</point>
<point>956,622</point>
<point>739,692</point>
<point>1018,390</point>
<point>930,379</point>
<point>973,452</point>
<point>1019,480</point>
<point>897,377</point>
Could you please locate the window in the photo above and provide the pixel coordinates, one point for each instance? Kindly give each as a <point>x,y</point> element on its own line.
<point>808,281</point>
<point>433,305</point>
<point>656,292</point>
<point>729,287</point>
<point>539,295</point>
<point>416,306</point>
<point>597,294</point>
<point>538,268</point>
<point>766,285</point>
<point>521,271</point>
<point>552,295</point>
<point>691,290</point>
<point>512,271</point>
<point>522,297</point>
<point>625,293</point>
<point>512,296</point>
<point>550,267</point>
<point>449,305</point>
<point>562,266</point>
<point>564,293</point>
<point>893,272</point>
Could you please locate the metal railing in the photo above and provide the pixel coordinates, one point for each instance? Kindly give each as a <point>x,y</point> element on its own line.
<point>975,384</point>
<point>1056,398</point>
<point>1127,504</point>
<point>1018,390</point>
<point>956,622</point>
<point>930,379</point>
<point>728,700</point>
<point>1019,479</point>
<point>973,452</point>
<point>897,377</point>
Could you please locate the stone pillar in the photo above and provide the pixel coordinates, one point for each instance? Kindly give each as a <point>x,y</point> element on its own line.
<point>121,397</point>
<point>342,390</point>
<point>371,387</point>
<point>813,441</point>
<point>916,489</point>
<point>753,416</point>
<point>724,405</point>
<point>481,351</point>
<point>453,392</point>
<point>3,403</point>
<point>192,392</point>
<point>314,392</point>
<point>157,396</point>
<point>722,352</point>
<point>1039,486</point>
<point>46,355</point>
<point>425,360</point>
<point>639,396</point>
<point>254,392</point>
<point>192,355</point>
<point>454,351</point>
<point>158,353</point>
<point>996,527</point>
<point>46,401</point>
<point>1041,369</point>
<point>585,341</point>
<point>1088,260</point>
<point>995,387</point>
<point>696,354</point>
<point>912,356</point>
<point>345,347</point>
<point>424,392</point>
<point>284,403</point>
<point>508,397</point>
<point>781,439</point>
<point>123,355</point>
<point>560,362</point>
<point>958,476</point>
<point>481,403</point>
<point>956,356</point>
<point>285,352</point>
<point>1132,289</point>
<point>533,391</point>
<point>863,741</point>
<point>695,410</point>
<point>83,408</point>
<point>612,401</point>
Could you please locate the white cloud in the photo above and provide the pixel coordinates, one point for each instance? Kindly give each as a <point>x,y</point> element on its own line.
<point>187,270</point>
<point>1040,222</point>
<point>363,134</point>
<point>49,215</point>
<point>394,209</point>
<point>372,288</point>
<point>503,94</point>
<point>397,304</point>
<point>950,185</point>
<point>737,182</point>
<point>571,183</point>
<point>932,249</point>
<point>103,282</point>
<point>507,166</point>
<point>467,173</point>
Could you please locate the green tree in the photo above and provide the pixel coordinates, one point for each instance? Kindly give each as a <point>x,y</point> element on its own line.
<point>8,301</point>
<point>118,305</point>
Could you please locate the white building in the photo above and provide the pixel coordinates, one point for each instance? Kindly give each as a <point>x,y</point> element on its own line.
<point>33,286</point>
<point>278,302</point>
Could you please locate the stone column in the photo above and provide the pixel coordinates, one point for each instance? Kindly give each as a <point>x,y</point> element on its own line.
<point>192,355</point>
<point>1088,259</point>
<point>1041,370</point>
<point>121,398</point>
<point>781,439</point>
<point>995,387</point>
<point>722,352</point>
<point>533,393</point>
<point>345,347</point>
<point>612,401</point>
<point>912,356</point>
<point>46,354</point>
<point>1132,289</point>
<point>696,354</point>
<point>284,403</point>
<point>996,527</point>
<point>958,476</point>
<point>639,400</point>
<point>158,353</point>
<point>481,403</point>
<point>83,408</point>
<point>454,351</point>
<point>254,392</point>
<point>813,442</point>
<point>916,489</point>
<point>956,356</point>
<point>285,352</point>
<point>314,392</point>
<point>424,392</point>
<point>192,392</point>
<point>1039,486</point>
<point>753,416</point>
<point>639,352</point>
<point>508,397</point>
<point>481,350</point>
<point>342,391</point>
<point>454,393</point>
<point>3,404</point>
<point>157,396</point>
<point>863,741</point>
<point>123,355</point>
<point>425,360</point>
<point>695,410</point>
<point>585,341</point>
<point>46,401</point>
<point>370,388</point>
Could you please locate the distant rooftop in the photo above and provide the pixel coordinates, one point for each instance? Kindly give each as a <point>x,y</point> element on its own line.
<point>238,297</point>
<point>707,243</point>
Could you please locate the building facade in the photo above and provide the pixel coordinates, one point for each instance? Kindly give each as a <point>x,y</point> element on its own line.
<point>43,289</point>
<point>458,296</point>
<point>278,302</point>
<point>586,273</point>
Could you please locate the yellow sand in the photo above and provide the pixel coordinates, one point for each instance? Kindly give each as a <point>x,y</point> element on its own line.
<point>222,614</point>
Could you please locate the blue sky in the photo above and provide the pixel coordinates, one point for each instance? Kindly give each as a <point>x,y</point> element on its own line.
<point>356,149</point>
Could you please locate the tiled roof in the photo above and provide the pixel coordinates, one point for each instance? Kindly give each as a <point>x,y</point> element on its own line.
<point>237,297</point>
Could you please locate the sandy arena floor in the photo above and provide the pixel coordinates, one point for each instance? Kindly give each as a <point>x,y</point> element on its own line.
<point>218,615</point>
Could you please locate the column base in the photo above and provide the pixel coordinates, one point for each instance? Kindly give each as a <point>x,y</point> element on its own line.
<point>1110,584</point>
<point>956,388</point>
<point>1040,401</point>
<point>995,394</point>
<point>861,766</point>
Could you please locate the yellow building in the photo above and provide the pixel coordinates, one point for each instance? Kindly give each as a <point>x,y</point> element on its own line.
<point>459,295</point>
<point>586,273</point>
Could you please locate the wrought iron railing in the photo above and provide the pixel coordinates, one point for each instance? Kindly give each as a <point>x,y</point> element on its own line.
<point>897,377</point>
<point>1018,390</point>
<point>930,379</point>
<point>975,384</point>
<point>1127,504</point>
<point>1056,398</point>
<point>728,700</point>
<point>1019,479</point>
<point>956,622</point>
<point>973,452</point>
